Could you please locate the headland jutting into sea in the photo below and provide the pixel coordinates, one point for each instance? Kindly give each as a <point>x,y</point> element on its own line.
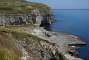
<point>25,34</point>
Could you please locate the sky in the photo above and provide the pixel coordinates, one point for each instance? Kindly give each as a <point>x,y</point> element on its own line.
<point>65,4</point>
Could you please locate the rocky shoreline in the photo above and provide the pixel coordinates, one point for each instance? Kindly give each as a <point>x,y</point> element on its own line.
<point>65,43</point>
<point>62,43</point>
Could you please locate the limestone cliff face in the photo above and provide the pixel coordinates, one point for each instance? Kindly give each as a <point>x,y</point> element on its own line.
<point>18,12</point>
<point>14,19</point>
<point>18,45</point>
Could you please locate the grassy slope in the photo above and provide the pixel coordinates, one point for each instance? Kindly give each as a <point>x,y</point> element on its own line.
<point>8,49</point>
<point>20,7</point>
<point>8,39</point>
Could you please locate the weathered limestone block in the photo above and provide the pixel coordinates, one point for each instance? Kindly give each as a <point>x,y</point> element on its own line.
<point>14,19</point>
<point>39,18</point>
<point>2,20</point>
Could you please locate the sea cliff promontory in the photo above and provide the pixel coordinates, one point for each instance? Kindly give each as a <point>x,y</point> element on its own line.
<point>24,34</point>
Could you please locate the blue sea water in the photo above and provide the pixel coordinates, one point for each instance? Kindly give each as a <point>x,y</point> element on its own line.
<point>74,22</point>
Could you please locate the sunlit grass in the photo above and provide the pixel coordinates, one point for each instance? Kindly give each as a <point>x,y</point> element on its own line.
<point>19,33</point>
<point>6,54</point>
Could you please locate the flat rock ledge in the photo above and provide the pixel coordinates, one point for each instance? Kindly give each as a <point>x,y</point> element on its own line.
<point>65,43</point>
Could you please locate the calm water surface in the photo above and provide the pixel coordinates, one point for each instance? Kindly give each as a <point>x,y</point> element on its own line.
<point>74,22</point>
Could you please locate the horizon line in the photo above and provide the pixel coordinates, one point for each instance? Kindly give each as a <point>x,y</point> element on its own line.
<point>70,9</point>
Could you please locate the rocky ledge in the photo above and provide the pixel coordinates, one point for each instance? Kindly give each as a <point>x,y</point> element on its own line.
<point>16,44</point>
<point>36,43</point>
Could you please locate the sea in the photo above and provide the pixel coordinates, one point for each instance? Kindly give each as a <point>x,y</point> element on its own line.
<point>76,22</point>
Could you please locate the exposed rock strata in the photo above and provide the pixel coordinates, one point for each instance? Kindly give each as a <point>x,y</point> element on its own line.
<point>26,46</point>
<point>14,20</point>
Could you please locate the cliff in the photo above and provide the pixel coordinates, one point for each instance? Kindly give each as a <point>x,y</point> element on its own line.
<point>18,12</point>
<point>20,40</point>
<point>16,44</point>
<point>35,43</point>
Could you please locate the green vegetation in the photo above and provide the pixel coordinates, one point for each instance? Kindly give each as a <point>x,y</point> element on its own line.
<point>13,7</point>
<point>10,36</point>
<point>18,33</point>
<point>6,54</point>
<point>14,34</point>
<point>44,9</point>
<point>21,7</point>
